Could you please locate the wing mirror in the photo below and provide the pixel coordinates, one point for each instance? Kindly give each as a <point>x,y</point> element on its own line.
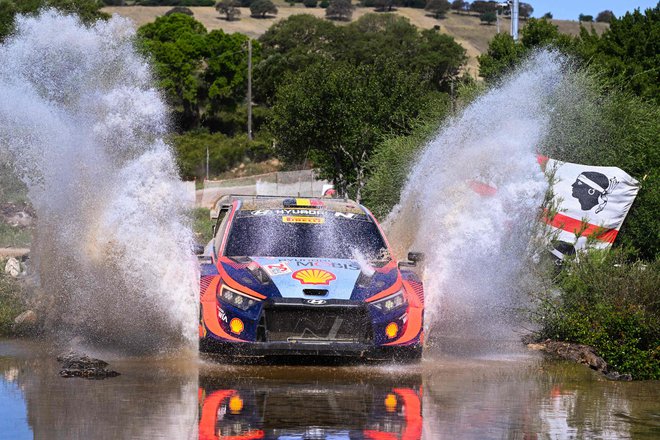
<point>413,259</point>
<point>198,249</point>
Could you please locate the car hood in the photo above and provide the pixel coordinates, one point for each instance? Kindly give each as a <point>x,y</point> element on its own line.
<point>294,276</point>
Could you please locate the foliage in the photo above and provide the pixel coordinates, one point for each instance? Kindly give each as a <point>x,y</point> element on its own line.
<point>175,2</point>
<point>180,10</point>
<point>502,56</point>
<point>438,7</point>
<point>629,52</point>
<point>488,18</point>
<point>10,302</point>
<point>202,225</point>
<point>334,113</point>
<point>525,10</point>
<point>229,8</point>
<point>547,16</point>
<point>391,162</point>
<point>459,5</point>
<point>202,74</point>
<point>604,16</point>
<point>291,45</point>
<point>481,7</point>
<point>261,8</point>
<point>324,4</point>
<point>587,18</point>
<point>610,303</point>
<point>340,10</point>
<point>310,3</point>
<point>88,10</point>
<point>225,153</point>
<point>384,5</point>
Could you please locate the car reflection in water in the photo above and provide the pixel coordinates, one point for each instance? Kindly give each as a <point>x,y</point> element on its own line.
<point>260,410</point>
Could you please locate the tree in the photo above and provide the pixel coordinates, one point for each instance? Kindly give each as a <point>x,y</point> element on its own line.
<point>310,3</point>
<point>438,7</point>
<point>481,7</point>
<point>605,16</point>
<point>384,5</point>
<point>587,18</point>
<point>458,6</point>
<point>489,18</point>
<point>525,10</point>
<point>229,8</point>
<point>334,113</point>
<point>340,10</point>
<point>180,10</point>
<point>547,16</point>
<point>260,8</point>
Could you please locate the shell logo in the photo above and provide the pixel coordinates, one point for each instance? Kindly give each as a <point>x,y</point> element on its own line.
<point>314,276</point>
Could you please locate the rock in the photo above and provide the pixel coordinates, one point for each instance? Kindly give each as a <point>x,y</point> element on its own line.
<point>582,354</point>
<point>27,318</point>
<point>80,365</point>
<point>613,375</point>
<point>13,267</point>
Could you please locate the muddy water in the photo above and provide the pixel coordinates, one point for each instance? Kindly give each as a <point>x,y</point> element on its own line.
<point>519,395</point>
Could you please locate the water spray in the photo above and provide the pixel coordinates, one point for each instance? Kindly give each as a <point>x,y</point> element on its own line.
<point>83,125</point>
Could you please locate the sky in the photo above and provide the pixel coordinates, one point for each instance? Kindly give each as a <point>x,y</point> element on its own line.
<point>571,9</point>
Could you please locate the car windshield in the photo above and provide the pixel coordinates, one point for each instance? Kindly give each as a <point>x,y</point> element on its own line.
<point>328,236</point>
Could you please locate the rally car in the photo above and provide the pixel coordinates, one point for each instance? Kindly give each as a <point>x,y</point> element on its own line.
<point>292,276</point>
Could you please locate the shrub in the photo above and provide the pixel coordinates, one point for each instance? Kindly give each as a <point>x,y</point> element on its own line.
<point>10,302</point>
<point>611,304</point>
<point>310,3</point>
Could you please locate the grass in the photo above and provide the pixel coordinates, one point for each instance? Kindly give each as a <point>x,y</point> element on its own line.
<point>10,302</point>
<point>202,225</point>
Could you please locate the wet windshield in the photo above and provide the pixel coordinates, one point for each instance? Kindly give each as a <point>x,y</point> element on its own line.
<point>325,236</point>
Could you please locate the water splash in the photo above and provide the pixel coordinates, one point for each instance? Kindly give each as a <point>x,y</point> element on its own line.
<point>82,124</point>
<point>472,199</point>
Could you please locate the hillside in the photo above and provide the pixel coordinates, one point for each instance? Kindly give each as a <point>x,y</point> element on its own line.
<point>466,29</point>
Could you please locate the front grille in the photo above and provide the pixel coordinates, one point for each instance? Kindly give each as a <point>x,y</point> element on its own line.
<point>317,324</point>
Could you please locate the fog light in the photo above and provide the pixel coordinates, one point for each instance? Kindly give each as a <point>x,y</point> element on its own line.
<point>390,403</point>
<point>391,330</point>
<point>236,326</point>
<point>235,404</point>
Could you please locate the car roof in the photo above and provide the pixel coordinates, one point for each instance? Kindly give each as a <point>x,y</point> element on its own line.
<point>252,202</point>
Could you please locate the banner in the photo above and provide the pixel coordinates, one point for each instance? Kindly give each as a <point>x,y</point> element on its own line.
<point>592,204</point>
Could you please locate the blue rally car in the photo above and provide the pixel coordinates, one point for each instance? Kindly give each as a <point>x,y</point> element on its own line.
<point>294,276</point>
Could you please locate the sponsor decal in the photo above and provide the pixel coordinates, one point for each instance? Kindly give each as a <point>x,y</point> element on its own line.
<point>328,264</point>
<point>348,215</point>
<point>316,302</point>
<point>278,269</point>
<point>298,219</point>
<point>221,315</point>
<point>292,212</point>
<point>314,276</point>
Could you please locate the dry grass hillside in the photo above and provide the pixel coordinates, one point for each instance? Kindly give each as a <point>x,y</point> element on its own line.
<point>466,29</point>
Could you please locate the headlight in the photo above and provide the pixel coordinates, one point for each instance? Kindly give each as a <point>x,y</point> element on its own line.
<point>391,302</point>
<point>236,298</point>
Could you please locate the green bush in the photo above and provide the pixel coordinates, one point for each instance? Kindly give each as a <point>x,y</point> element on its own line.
<point>225,153</point>
<point>611,304</point>
<point>10,302</point>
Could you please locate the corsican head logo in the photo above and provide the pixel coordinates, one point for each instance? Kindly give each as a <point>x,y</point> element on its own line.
<point>592,188</point>
<point>314,276</point>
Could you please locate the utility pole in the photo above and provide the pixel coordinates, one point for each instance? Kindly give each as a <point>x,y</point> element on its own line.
<point>249,96</point>
<point>514,19</point>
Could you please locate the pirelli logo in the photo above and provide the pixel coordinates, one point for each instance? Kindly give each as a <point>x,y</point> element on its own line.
<point>300,219</point>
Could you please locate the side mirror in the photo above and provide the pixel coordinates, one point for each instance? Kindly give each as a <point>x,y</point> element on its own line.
<point>413,259</point>
<point>198,249</point>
